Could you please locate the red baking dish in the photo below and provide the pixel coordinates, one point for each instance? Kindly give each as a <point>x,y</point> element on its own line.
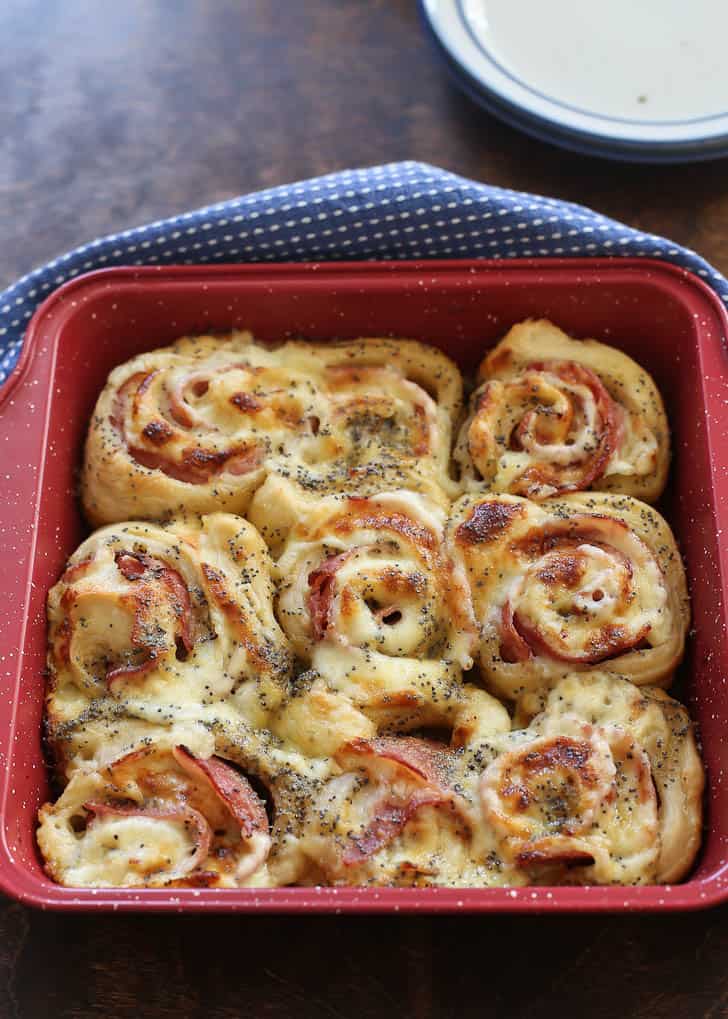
<point>664,317</point>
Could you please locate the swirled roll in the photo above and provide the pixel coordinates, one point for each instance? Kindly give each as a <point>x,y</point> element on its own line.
<point>187,429</point>
<point>368,600</point>
<point>390,410</point>
<point>157,818</point>
<point>393,817</point>
<point>369,574</point>
<point>586,581</point>
<point>169,622</point>
<point>196,427</point>
<point>311,664</point>
<point>604,787</point>
<point>554,415</point>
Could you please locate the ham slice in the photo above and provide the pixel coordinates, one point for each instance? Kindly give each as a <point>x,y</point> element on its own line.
<point>582,472</point>
<point>417,766</point>
<point>322,589</point>
<point>232,788</point>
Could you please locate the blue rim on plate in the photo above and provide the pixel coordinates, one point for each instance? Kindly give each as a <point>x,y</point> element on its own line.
<point>498,90</point>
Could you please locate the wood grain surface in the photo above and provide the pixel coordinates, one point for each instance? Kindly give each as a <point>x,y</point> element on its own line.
<point>118,112</point>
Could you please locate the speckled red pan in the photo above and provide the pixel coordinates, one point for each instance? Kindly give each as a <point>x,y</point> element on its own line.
<point>665,318</point>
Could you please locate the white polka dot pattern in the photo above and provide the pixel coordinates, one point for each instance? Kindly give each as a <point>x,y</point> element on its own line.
<point>398,211</point>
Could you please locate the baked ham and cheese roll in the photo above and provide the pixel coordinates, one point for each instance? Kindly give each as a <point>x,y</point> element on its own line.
<point>169,622</point>
<point>604,787</point>
<point>369,573</point>
<point>157,818</point>
<point>576,805</point>
<point>553,415</point>
<point>368,600</point>
<point>187,429</point>
<point>390,410</point>
<point>392,817</point>
<point>197,426</point>
<point>572,584</point>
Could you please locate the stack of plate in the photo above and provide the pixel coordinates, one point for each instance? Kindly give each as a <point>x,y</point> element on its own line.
<point>641,80</point>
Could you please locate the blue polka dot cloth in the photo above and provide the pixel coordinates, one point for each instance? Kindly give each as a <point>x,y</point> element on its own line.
<point>398,211</point>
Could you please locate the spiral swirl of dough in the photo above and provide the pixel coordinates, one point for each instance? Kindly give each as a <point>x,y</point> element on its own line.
<point>367,599</point>
<point>169,622</point>
<point>392,817</point>
<point>582,582</point>
<point>604,786</point>
<point>198,426</point>
<point>661,728</point>
<point>555,415</point>
<point>157,818</point>
<point>194,680</point>
<point>390,410</point>
<point>369,574</point>
<point>573,803</point>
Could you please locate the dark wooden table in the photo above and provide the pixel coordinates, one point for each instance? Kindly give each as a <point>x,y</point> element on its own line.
<point>116,113</point>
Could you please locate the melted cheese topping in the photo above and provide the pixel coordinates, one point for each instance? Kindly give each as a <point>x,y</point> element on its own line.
<point>157,818</point>
<point>198,426</point>
<point>185,663</point>
<point>575,805</point>
<point>661,728</point>
<point>167,622</point>
<point>555,415</point>
<point>127,850</point>
<point>580,583</point>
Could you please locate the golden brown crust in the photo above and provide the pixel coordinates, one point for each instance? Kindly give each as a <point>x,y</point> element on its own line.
<point>661,728</point>
<point>587,581</point>
<point>169,624</point>
<point>157,818</point>
<point>373,607</point>
<point>198,426</point>
<point>553,415</point>
<point>185,664</point>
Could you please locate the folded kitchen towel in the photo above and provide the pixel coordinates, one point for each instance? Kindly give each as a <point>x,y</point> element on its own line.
<point>401,210</point>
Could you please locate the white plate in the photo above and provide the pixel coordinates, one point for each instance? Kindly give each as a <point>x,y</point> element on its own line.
<point>640,79</point>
